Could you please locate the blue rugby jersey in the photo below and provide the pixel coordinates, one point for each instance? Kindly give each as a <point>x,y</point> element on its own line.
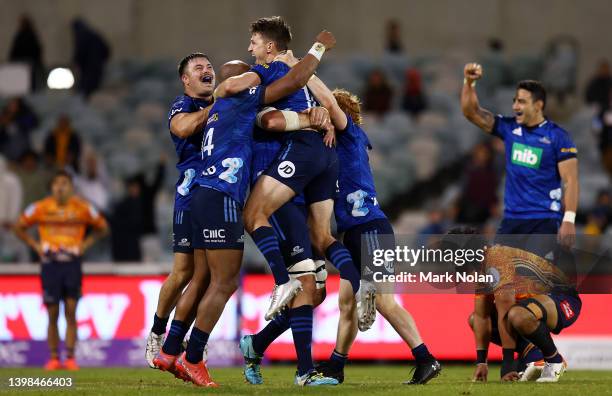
<point>226,146</point>
<point>356,203</point>
<point>533,183</point>
<point>187,150</point>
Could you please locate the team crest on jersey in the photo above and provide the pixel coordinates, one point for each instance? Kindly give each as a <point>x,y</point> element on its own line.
<point>545,140</point>
<point>286,169</point>
<point>213,118</point>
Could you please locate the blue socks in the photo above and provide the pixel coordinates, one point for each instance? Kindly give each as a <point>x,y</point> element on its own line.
<point>338,360</point>
<point>267,243</point>
<point>273,330</point>
<point>172,345</point>
<point>196,345</point>
<point>421,353</point>
<point>159,325</point>
<point>341,259</point>
<point>300,320</point>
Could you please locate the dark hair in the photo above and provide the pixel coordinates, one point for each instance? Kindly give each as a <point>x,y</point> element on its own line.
<point>185,61</point>
<point>274,29</point>
<point>535,88</point>
<point>61,173</point>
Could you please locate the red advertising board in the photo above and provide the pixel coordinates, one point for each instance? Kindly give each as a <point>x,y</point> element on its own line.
<point>121,308</point>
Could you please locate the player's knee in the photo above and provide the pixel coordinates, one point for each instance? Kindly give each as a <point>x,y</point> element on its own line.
<point>519,316</point>
<point>182,277</point>
<point>346,304</point>
<point>53,312</point>
<point>321,240</point>
<point>471,320</point>
<point>385,303</point>
<point>320,295</point>
<point>225,288</point>
<point>309,285</point>
<point>71,319</point>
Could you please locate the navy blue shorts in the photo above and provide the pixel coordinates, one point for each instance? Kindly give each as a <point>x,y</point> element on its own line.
<point>568,310</point>
<point>307,166</point>
<point>363,240</point>
<point>516,233</point>
<point>291,228</point>
<point>182,232</point>
<point>61,280</point>
<point>216,220</point>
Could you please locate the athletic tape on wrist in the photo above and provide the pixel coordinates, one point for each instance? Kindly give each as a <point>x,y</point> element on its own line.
<point>472,84</point>
<point>569,217</point>
<point>317,50</point>
<point>292,120</point>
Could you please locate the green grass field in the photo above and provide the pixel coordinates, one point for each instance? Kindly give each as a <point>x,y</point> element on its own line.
<point>360,380</point>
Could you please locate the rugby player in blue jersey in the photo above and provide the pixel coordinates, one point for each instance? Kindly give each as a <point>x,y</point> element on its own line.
<point>186,118</point>
<point>218,232</point>
<point>304,165</point>
<point>360,218</point>
<point>541,197</point>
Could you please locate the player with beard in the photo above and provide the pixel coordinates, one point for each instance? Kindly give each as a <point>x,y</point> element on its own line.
<point>186,119</point>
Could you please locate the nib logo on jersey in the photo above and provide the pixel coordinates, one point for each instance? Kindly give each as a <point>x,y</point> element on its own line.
<point>526,156</point>
<point>216,236</point>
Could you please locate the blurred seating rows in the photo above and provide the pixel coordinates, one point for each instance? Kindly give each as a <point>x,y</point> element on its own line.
<point>126,120</point>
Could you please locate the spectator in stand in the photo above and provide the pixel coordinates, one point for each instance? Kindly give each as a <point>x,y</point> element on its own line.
<point>393,39</point>
<point>127,224</point>
<point>91,52</point>
<point>93,184</point>
<point>604,125</point>
<point>600,85</point>
<point>600,216</point>
<point>436,225</point>
<point>16,122</point>
<point>479,192</point>
<point>414,100</point>
<point>63,145</point>
<point>150,243</point>
<point>26,48</point>
<point>378,94</point>
<point>11,199</point>
<point>560,66</point>
<point>34,178</point>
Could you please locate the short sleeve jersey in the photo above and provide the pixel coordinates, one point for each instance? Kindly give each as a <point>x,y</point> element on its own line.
<point>187,150</point>
<point>532,154</point>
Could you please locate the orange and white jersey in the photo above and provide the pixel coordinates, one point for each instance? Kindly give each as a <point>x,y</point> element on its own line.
<point>62,227</point>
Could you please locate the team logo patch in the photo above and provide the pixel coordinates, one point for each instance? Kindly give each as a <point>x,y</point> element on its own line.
<point>527,156</point>
<point>567,310</point>
<point>286,169</point>
<point>297,250</point>
<point>184,242</point>
<point>545,140</point>
<point>215,236</point>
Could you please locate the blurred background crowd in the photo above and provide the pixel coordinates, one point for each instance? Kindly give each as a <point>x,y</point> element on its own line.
<point>432,168</point>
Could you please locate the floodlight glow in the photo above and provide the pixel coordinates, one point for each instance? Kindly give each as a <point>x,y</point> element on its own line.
<point>60,78</point>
